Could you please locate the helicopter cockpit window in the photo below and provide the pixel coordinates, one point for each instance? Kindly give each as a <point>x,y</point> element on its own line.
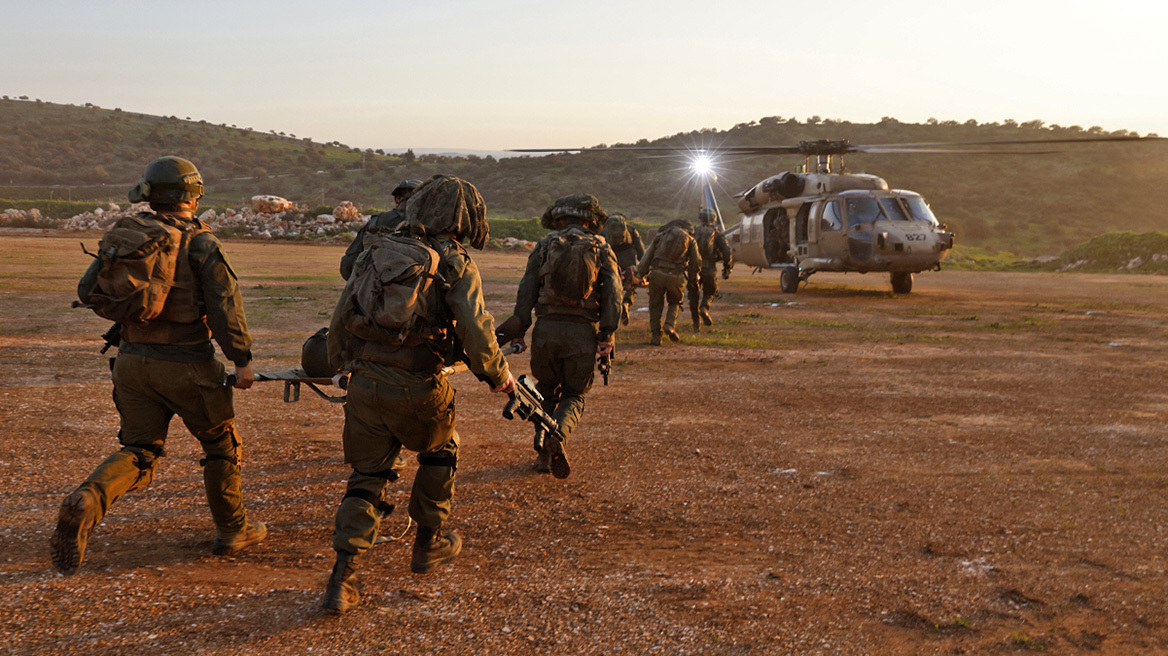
<point>831,217</point>
<point>920,209</point>
<point>892,209</point>
<point>862,210</point>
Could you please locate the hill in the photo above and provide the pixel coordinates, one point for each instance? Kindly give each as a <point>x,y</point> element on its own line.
<point>1033,205</point>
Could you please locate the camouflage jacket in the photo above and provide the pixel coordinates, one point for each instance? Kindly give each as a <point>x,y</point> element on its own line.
<point>711,244</point>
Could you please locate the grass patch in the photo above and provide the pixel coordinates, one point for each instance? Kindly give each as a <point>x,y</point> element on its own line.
<point>1015,324</point>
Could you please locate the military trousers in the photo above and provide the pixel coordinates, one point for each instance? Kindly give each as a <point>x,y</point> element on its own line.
<point>148,392</point>
<point>664,289</point>
<point>388,409</point>
<point>563,361</point>
<point>706,286</point>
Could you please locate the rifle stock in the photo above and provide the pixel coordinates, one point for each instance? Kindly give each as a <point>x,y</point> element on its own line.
<point>526,403</point>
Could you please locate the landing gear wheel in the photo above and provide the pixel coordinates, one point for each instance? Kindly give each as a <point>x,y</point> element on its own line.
<point>902,282</point>
<point>789,280</point>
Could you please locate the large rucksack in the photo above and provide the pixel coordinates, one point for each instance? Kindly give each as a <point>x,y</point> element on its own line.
<point>672,246</point>
<point>570,267</point>
<point>704,236</point>
<point>616,231</point>
<point>143,265</point>
<point>393,294</point>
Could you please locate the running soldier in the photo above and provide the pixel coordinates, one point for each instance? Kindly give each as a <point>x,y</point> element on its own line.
<point>182,293</point>
<point>413,305</point>
<point>573,285</point>
<point>670,262</point>
<point>711,244</point>
<point>624,239</point>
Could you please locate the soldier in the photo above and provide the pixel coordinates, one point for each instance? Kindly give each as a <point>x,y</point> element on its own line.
<point>387,221</point>
<point>625,241</point>
<point>711,243</point>
<point>397,393</point>
<point>167,366</point>
<point>574,287</point>
<point>671,260</point>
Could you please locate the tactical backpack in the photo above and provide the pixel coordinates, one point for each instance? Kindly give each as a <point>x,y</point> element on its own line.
<point>570,267</point>
<point>393,294</point>
<point>704,236</point>
<point>672,246</point>
<point>616,231</point>
<point>145,273</point>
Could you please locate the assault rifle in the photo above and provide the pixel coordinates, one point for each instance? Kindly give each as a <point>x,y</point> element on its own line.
<point>526,403</point>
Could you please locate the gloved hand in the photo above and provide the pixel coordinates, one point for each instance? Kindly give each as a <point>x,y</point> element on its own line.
<point>726,273</point>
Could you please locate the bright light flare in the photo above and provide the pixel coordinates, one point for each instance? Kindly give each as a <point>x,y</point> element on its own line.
<point>702,164</point>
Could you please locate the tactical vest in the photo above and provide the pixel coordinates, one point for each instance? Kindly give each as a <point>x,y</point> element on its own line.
<point>704,236</point>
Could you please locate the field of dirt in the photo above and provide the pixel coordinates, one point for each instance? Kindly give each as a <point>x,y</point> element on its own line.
<point>976,467</point>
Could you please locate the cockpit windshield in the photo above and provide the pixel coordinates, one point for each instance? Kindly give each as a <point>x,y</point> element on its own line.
<point>862,209</point>
<point>920,209</point>
<point>892,209</point>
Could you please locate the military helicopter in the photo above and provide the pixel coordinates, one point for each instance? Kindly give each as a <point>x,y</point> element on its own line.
<point>815,219</point>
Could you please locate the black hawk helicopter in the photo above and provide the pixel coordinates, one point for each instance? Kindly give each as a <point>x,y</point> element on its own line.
<point>816,219</point>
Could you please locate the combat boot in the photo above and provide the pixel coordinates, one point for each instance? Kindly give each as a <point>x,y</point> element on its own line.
<point>706,319</point>
<point>75,521</point>
<point>655,340</point>
<point>341,595</point>
<point>673,336</point>
<point>557,457</point>
<point>251,533</point>
<point>697,327</point>
<point>625,314</point>
<point>432,549</point>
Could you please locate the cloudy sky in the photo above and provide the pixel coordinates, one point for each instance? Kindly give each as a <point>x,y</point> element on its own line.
<point>518,73</point>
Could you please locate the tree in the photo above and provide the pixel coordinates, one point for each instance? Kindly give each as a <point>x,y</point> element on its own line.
<point>409,157</point>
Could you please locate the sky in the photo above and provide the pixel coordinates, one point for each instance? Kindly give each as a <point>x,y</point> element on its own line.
<point>523,74</point>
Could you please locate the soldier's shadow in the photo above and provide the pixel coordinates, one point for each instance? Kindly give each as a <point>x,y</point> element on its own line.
<point>516,471</point>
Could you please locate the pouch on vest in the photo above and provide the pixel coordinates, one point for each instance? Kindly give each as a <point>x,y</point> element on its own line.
<point>616,231</point>
<point>393,298</point>
<point>569,269</point>
<point>140,265</point>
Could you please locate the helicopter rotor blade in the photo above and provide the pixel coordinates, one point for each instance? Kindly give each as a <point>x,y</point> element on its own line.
<point>881,150</point>
<point>1011,142</point>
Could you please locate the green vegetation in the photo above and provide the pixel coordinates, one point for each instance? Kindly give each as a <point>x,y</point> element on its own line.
<point>998,206</point>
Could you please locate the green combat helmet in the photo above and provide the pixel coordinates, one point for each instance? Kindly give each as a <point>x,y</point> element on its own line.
<point>707,216</point>
<point>404,188</point>
<point>168,180</point>
<point>581,207</point>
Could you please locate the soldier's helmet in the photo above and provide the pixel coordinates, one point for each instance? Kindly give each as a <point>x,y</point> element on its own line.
<point>404,188</point>
<point>445,203</point>
<point>314,356</point>
<point>684,224</point>
<point>707,216</point>
<point>577,207</point>
<point>168,180</point>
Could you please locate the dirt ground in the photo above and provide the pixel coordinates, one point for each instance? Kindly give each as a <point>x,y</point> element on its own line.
<point>977,467</point>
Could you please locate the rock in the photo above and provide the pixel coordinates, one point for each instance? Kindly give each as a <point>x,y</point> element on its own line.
<point>346,212</point>
<point>270,204</point>
<point>112,208</point>
<point>326,218</point>
<point>1135,263</point>
<point>34,214</point>
<point>208,216</point>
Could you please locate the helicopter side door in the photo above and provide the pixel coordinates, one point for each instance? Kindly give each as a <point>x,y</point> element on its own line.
<point>832,239</point>
<point>799,230</point>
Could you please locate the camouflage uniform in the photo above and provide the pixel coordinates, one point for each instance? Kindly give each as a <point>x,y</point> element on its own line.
<point>667,280</point>
<point>564,341</point>
<point>398,397</point>
<point>627,256</point>
<point>165,368</point>
<point>711,243</point>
